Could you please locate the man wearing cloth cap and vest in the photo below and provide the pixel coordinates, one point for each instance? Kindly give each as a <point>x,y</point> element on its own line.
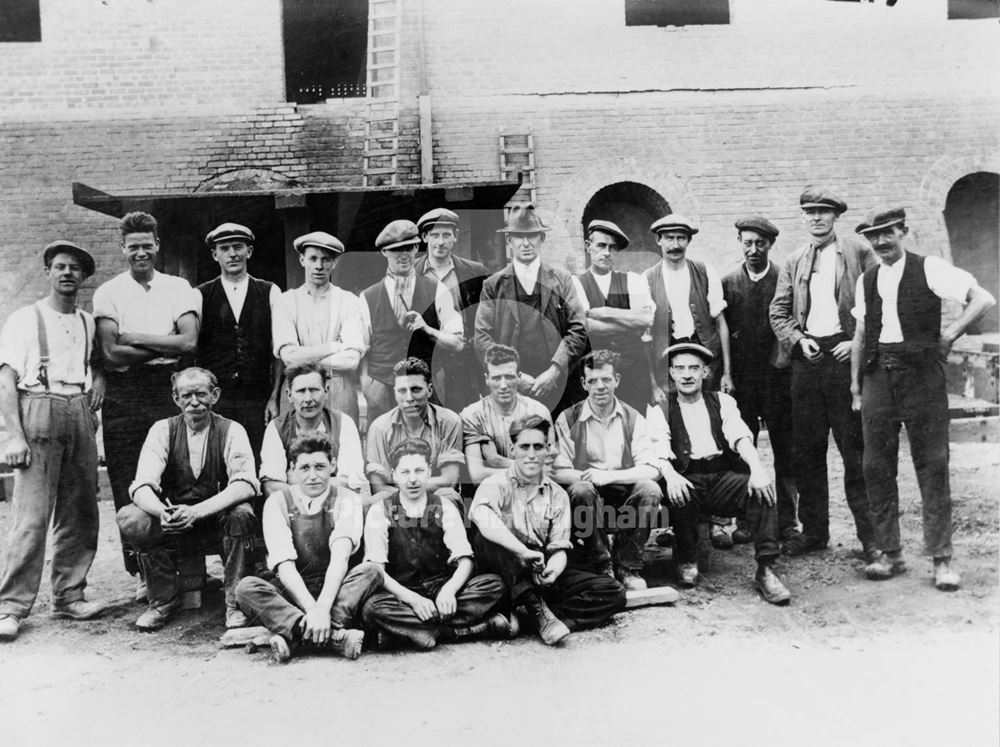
<point>406,314</point>
<point>811,314</point>
<point>235,342</point>
<point>761,374</point>
<point>618,310</point>
<point>48,393</point>
<point>533,307</point>
<point>321,323</point>
<point>439,230</point>
<point>897,377</point>
<point>689,304</point>
<point>711,466</point>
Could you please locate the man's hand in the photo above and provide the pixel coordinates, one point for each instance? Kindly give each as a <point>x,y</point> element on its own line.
<point>17,453</point>
<point>944,347</point>
<point>423,608</point>
<point>177,519</point>
<point>97,393</point>
<point>810,349</point>
<point>597,477</point>
<point>271,410</point>
<point>855,400</point>
<point>760,487</point>
<point>525,382</point>
<point>726,385</point>
<point>842,352</point>
<point>545,382</point>
<point>533,559</point>
<point>678,489</point>
<point>316,625</point>
<point>414,321</point>
<point>660,394</point>
<point>446,603</point>
<point>547,577</point>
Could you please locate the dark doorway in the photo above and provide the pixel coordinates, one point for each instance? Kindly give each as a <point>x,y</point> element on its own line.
<point>326,45</point>
<point>633,207</point>
<point>972,214</point>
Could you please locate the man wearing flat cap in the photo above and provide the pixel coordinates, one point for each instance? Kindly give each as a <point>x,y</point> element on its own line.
<point>235,341</point>
<point>533,307</point>
<point>439,230</point>
<point>51,384</point>
<point>811,315</point>
<point>710,466</point>
<point>321,323</point>
<point>406,315</point>
<point>761,374</point>
<point>897,378</point>
<point>689,304</point>
<point>618,310</point>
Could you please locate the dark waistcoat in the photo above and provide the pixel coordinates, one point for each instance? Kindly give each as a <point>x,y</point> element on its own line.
<point>390,343</point>
<point>680,440</point>
<point>179,483</point>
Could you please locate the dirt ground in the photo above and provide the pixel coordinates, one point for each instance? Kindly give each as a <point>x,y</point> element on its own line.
<point>849,661</point>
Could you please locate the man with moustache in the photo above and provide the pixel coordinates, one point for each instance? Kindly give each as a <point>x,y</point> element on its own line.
<point>146,322</point>
<point>235,342</point>
<point>897,378</point>
<point>761,372</point>
<point>811,315</point>
<point>50,386</point>
<point>321,323</point>
<point>533,307</point>
<point>439,230</point>
<point>406,314</point>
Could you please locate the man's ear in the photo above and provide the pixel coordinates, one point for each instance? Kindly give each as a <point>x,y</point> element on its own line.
<point>216,393</point>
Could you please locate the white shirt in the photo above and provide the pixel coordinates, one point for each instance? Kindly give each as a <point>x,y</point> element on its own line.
<point>449,318</point>
<point>823,319</point>
<point>152,310</point>
<point>756,277</point>
<point>350,463</point>
<point>307,318</point>
<point>70,339</point>
<point>236,293</point>
<point>946,281</point>
<point>638,290</point>
<point>678,286</point>
<point>377,530</point>
<point>527,274</point>
<point>348,522</point>
<point>605,440</point>
<point>699,428</point>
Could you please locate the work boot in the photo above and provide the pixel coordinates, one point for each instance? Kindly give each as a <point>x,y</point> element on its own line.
<point>157,615</point>
<point>605,569</point>
<point>9,626</point>
<point>720,537</point>
<point>78,610</point>
<point>235,618</point>
<point>742,535</point>
<point>502,627</point>
<point>687,575</point>
<point>551,629</point>
<point>800,544</point>
<point>631,580</point>
<point>770,586</point>
<point>885,565</point>
<point>280,648</point>
<point>347,642</point>
<point>945,579</point>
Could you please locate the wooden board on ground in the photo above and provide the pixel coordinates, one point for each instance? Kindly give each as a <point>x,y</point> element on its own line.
<point>650,597</point>
<point>257,635</point>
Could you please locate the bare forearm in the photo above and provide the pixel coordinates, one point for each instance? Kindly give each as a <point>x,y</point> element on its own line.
<point>980,301</point>
<point>493,530</point>
<point>621,318</point>
<point>180,344</point>
<point>269,487</point>
<point>343,362</point>
<point>9,407</point>
<point>290,578</point>
<point>335,573</point>
<point>236,492</point>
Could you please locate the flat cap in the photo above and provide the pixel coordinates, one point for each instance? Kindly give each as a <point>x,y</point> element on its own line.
<point>674,222</point>
<point>229,231</point>
<point>398,234</point>
<point>437,217</point>
<point>821,197</point>
<point>523,219</point>
<point>880,218</point>
<point>758,223</point>
<point>321,240</point>
<point>608,227</point>
<point>688,347</point>
<point>87,263</point>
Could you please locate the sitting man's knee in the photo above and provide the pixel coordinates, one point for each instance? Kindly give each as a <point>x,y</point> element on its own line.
<point>583,493</point>
<point>648,492</point>
<point>240,520</point>
<point>134,523</point>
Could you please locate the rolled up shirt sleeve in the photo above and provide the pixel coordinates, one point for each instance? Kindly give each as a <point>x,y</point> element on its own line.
<point>348,519</point>
<point>642,444</point>
<point>350,461</point>
<point>733,427</point>
<point>376,535</point>
<point>659,437</point>
<point>566,447</point>
<point>240,465</point>
<point>560,533</point>
<point>451,320</point>
<point>152,458</point>
<point>378,451</point>
<point>273,461</point>
<point>352,328</point>
<point>716,298</point>
<point>473,430</point>
<point>450,445</point>
<point>277,532</point>
<point>455,538</point>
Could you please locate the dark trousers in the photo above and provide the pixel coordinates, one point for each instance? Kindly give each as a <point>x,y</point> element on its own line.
<point>271,604</point>
<point>821,402</point>
<point>580,598</point>
<point>914,396</point>
<point>627,510</point>
<point>722,493</point>
<point>231,530</point>
<point>248,412</point>
<point>477,600</point>
<point>59,486</point>
<point>767,396</point>
<point>133,401</point>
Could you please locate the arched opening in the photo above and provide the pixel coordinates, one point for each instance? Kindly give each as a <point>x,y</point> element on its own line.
<point>633,207</point>
<point>972,215</point>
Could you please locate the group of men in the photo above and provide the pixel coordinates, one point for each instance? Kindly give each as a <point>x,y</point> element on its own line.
<point>559,418</point>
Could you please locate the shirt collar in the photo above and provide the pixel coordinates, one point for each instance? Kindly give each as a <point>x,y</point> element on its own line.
<point>586,412</point>
<point>543,487</point>
<point>824,243</point>
<point>306,501</point>
<point>896,268</point>
<point>429,417</point>
<point>756,276</point>
<point>530,269</point>
<point>449,267</point>
<point>307,290</point>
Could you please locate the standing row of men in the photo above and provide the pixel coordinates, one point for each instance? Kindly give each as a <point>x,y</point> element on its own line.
<point>244,330</point>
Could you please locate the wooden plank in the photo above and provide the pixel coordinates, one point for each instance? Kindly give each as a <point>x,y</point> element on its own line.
<point>649,597</point>
<point>237,637</point>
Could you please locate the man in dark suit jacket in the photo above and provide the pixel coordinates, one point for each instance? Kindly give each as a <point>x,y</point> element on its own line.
<point>439,230</point>
<point>533,307</point>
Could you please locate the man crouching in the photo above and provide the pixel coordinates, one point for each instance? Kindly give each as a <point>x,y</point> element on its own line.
<point>311,529</point>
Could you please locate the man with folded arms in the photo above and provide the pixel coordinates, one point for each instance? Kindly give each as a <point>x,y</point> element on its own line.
<point>897,378</point>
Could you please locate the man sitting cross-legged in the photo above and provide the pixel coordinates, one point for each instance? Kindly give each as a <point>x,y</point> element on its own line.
<point>524,522</point>
<point>311,529</point>
<point>606,458</point>
<point>429,593</point>
<point>709,449</point>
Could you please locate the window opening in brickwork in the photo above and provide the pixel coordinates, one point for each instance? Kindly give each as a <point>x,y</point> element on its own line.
<point>633,207</point>
<point>326,43</point>
<point>676,12</point>
<point>20,21</point>
<point>972,215</point>
<point>970,9</point>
